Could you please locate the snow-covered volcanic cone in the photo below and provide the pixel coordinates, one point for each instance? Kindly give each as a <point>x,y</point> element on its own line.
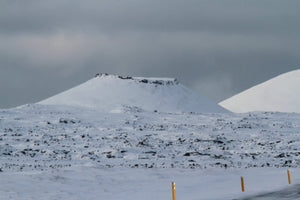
<point>112,93</point>
<point>281,93</point>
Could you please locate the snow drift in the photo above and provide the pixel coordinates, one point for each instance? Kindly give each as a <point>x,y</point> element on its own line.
<point>112,93</point>
<point>281,94</point>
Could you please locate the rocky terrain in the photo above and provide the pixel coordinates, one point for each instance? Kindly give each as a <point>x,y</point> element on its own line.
<point>40,137</point>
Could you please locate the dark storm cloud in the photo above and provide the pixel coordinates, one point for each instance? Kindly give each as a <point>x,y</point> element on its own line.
<point>105,15</point>
<point>215,47</point>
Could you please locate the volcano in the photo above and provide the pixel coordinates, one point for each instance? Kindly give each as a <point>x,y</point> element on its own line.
<point>112,93</point>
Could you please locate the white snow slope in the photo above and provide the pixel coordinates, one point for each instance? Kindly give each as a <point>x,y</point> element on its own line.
<point>112,93</point>
<point>281,93</point>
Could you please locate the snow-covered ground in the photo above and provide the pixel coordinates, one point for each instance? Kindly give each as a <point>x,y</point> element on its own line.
<point>40,137</point>
<point>64,152</point>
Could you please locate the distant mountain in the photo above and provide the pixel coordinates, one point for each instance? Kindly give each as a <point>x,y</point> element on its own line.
<point>281,93</point>
<point>111,93</point>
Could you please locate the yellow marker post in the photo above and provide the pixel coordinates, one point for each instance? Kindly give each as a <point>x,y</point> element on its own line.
<point>289,176</point>
<point>173,191</point>
<point>242,184</point>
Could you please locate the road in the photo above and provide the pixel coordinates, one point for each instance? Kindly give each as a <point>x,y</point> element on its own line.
<point>290,193</point>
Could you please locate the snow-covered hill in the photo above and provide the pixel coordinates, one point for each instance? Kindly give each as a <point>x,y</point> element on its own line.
<point>281,93</point>
<point>112,93</point>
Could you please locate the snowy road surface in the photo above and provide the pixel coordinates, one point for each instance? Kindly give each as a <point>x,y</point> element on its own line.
<point>291,193</point>
<point>89,183</point>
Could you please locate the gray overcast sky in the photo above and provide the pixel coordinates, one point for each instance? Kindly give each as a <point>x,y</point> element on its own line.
<point>217,48</point>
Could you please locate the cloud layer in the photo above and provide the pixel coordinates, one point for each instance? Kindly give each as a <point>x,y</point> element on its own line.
<point>217,48</point>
